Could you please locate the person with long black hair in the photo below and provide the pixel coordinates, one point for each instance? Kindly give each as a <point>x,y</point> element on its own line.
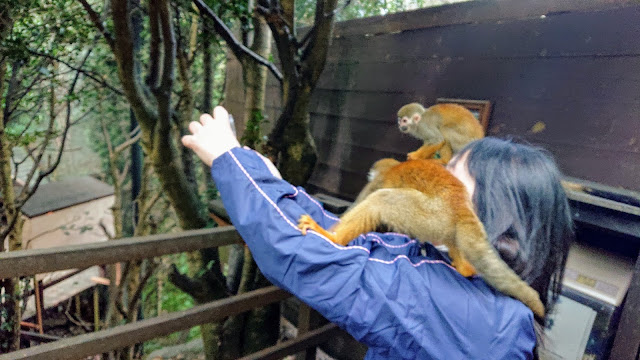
<point>403,299</point>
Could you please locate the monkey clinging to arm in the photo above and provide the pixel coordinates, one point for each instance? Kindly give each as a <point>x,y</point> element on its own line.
<point>423,200</point>
<point>446,128</point>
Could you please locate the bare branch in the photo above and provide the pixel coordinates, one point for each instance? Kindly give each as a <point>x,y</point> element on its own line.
<point>135,131</point>
<point>154,46</point>
<point>127,143</point>
<point>169,47</point>
<point>97,22</point>
<point>285,40</point>
<point>238,49</point>
<point>193,38</point>
<point>11,89</point>
<point>122,176</point>
<point>315,54</point>
<point>107,138</point>
<point>106,231</point>
<point>38,107</point>
<point>338,10</point>
<point>149,204</point>
<point>10,112</point>
<point>25,195</point>
<point>82,117</point>
<point>91,75</point>
<point>128,64</point>
<point>133,303</point>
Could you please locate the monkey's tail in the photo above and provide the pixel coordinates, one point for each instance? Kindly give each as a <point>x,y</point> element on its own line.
<point>472,242</point>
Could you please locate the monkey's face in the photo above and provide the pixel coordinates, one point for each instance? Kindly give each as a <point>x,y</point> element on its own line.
<point>408,117</point>
<point>408,123</point>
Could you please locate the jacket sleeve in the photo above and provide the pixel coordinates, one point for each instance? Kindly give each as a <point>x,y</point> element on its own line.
<point>265,211</point>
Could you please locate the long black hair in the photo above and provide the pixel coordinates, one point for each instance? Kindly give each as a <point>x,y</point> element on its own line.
<point>522,204</point>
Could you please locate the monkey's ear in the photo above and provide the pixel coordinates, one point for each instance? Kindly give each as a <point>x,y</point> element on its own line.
<point>416,117</point>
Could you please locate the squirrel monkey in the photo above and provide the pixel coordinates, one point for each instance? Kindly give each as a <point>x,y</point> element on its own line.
<point>446,128</point>
<point>424,200</point>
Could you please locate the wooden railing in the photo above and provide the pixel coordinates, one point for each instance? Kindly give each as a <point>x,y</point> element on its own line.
<point>31,262</point>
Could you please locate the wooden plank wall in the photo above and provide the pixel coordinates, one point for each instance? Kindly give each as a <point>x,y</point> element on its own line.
<point>576,69</point>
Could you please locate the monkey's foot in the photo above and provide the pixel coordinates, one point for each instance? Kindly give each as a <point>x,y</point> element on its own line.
<point>414,155</point>
<point>306,223</point>
<point>464,268</point>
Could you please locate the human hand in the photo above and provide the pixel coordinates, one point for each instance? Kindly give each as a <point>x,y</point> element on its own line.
<point>212,136</point>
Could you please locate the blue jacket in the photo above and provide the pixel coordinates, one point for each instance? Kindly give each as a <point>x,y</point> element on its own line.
<point>401,299</point>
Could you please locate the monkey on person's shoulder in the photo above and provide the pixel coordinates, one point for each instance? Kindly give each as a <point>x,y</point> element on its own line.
<point>422,199</point>
<point>444,128</point>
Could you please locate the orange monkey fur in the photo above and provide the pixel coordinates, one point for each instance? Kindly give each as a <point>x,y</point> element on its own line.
<point>422,199</point>
<point>446,128</point>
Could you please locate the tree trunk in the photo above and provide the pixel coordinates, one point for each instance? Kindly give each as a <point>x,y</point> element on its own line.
<point>290,141</point>
<point>10,316</point>
<point>186,115</point>
<point>255,82</point>
<point>208,69</point>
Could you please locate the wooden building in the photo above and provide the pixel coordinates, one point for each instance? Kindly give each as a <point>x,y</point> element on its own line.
<point>564,75</point>
<point>68,212</point>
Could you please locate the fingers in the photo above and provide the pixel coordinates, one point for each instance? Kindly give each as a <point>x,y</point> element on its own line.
<point>220,113</point>
<point>195,126</point>
<point>220,119</point>
<point>205,119</point>
<point>188,141</point>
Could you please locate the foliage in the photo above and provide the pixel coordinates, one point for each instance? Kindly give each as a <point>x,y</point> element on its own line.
<point>359,9</point>
<point>171,300</point>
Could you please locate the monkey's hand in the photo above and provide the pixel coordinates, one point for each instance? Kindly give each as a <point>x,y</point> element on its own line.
<point>306,223</point>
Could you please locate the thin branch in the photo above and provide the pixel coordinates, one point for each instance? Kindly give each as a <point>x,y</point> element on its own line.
<point>29,155</point>
<point>122,176</point>
<point>169,47</point>
<point>80,322</point>
<point>60,227</point>
<point>133,303</point>
<point>149,204</point>
<point>120,307</point>
<point>193,38</point>
<point>38,105</point>
<point>128,64</point>
<point>107,138</point>
<point>11,88</point>
<point>25,195</point>
<point>37,79</point>
<point>127,143</point>
<point>286,43</point>
<point>308,36</point>
<point>135,131</point>
<point>97,22</point>
<point>238,49</point>
<point>86,73</point>
<point>82,117</point>
<point>154,46</point>
<point>315,55</point>
<point>106,231</point>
